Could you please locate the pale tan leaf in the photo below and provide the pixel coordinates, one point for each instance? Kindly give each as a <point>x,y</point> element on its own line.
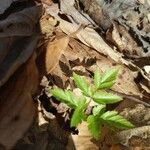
<point>82,141</point>
<point>54,51</point>
<point>124,42</point>
<point>92,39</point>
<point>124,80</point>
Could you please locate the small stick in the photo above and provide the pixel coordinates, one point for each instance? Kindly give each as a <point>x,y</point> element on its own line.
<point>131,97</point>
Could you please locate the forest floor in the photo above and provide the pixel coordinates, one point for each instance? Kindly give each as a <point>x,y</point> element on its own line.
<point>81,37</point>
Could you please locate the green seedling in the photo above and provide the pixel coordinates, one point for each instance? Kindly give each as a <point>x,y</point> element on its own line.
<point>97,92</point>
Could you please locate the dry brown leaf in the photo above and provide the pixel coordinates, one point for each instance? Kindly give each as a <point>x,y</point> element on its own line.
<point>47,25</point>
<point>68,7</point>
<point>47,2</point>
<point>18,55</point>
<point>17,40</point>
<point>21,23</point>
<point>124,42</point>
<point>83,140</point>
<point>5,4</point>
<point>78,52</point>
<point>16,104</point>
<point>54,52</point>
<point>92,39</point>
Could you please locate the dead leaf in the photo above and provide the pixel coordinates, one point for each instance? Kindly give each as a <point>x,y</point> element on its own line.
<point>21,23</point>
<point>124,42</point>
<point>68,7</point>
<point>47,25</point>
<point>54,51</point>
<point>5,4</point>
<point>16,103</point>
<point>83,140</point>
<point>17,40</point>
<point>47,2</point>
<point>19,55</point>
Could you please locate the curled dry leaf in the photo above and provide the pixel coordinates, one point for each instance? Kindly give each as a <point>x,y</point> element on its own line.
<point>124,42</point>
<point>91,38</point>
<point>18,72</point>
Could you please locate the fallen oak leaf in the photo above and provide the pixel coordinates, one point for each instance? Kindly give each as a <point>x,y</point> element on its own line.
<point>56,48</point>
<point>54,52</point>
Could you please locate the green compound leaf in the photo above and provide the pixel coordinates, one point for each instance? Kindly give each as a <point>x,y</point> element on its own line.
<point>113,119</point>
<point>66,97</point>
<point>82,84</point>
<point>98,110</point>
<point>103,97</point>
<point>110,75</point>
<point>107,80</point>
<point>79,114</point>
<point>97,79</point>
<point>106,85</point>
<point>94,126</point>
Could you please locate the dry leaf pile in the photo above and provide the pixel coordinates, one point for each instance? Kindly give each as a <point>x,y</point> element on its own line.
<point>98,47</point>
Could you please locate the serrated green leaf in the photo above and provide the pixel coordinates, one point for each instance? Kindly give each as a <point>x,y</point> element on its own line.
<point>94,126</point>
<point>107,80</point>
<point>79,114</point>
<point>113,119</point>
<point>106,85</point>
<point>110,75</point>
<point>109,114</point>
<point>81,83</point>
<point>82,102</point>
<point>97,79</point>
<point>66,97</point>
<point>98,110</point>
<point>102,97</point>
<point>71,97</point>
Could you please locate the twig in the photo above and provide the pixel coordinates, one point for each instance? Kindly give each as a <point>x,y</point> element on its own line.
<point>131,97</point>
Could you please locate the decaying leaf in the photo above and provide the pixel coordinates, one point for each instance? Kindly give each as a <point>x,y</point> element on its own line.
<point>125,43</point>
<point>54,51</point>
<point>17,57</point>
<point>18,72</point>
<point>16,104</point>
<point>5,4</point>
<point>21,23</point>
<point>68,7</point>
<point>17,40</point>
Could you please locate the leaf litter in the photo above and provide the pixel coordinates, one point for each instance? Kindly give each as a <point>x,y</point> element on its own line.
<point>83,53</point>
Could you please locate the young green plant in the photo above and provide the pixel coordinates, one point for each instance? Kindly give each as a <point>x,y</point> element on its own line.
<point>96,91</point>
